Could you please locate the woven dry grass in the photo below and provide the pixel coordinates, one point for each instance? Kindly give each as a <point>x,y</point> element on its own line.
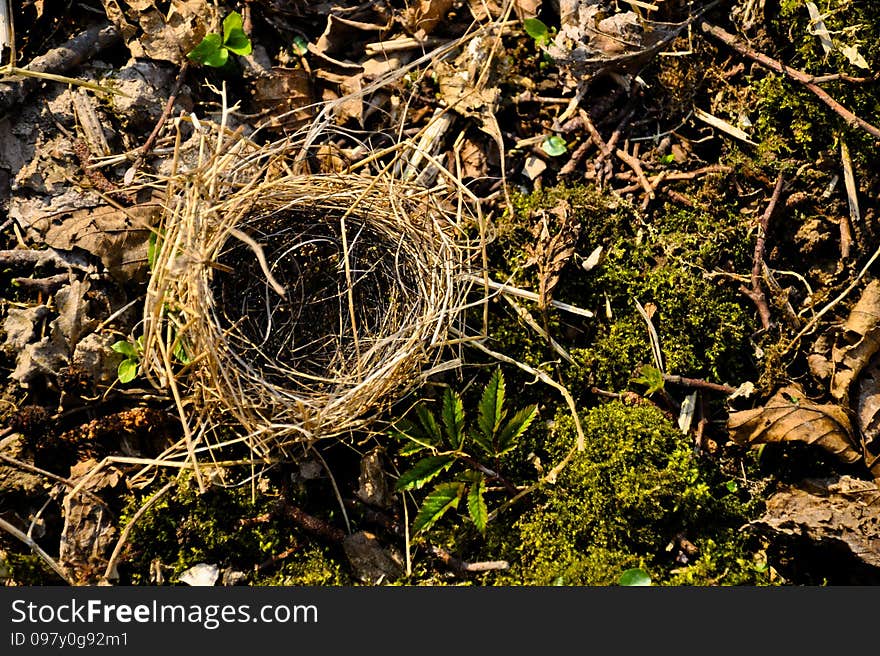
<point>295,306</point>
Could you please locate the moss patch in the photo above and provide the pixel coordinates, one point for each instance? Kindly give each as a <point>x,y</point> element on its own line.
<point>629,500</point>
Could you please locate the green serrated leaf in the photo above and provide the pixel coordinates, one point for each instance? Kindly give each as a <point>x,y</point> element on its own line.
<point>127,370</point>
<point>153,247</point>
<point>428,424</point>
<point>477,505</point>
<point>406,430</point>
<point>208,48</point>
<point>126,348</point>
<point>453,418</point>
<point>410,448</point>
<point>554,146</point>
<point>536,29</point>
<point>634,576</point>
<point>490,412</point>
<point>423,472</point>
<point>442,498</point>
<point>514,428</point>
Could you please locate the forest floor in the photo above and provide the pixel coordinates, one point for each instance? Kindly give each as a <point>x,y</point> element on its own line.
<point>673,376</point>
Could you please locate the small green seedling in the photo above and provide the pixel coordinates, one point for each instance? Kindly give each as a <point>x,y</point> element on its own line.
<point>214,49</point>
<point>652,378</point>
<point>538,31</point>
<point>451,443</point>
<point>132,352</point>
<point>554,146</point>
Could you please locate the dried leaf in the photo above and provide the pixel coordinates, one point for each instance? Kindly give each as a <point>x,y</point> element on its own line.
<point>843,512</point>
<point>818,28</point>
<point>473,159</point>
<point>552,251</point>
<point>526,8</point>
<point>857,341</point>
<point>19,325</point>
<point>867,408</point>
<point>346,38</point>
<point>425,15</point>
<point>48,356</point>
<point>854,56</point>
<point>790,417</point>
<point>286,95</point>
<point>168,35</point>
<point>373,483</point>
<point>88,534</point>
<point>117,237</point>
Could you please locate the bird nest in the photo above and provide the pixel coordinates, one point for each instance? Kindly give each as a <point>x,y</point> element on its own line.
<point>298,306</point>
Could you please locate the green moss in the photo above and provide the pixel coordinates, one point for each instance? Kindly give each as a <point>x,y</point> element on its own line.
<point>636,489</point>
<point>27,569</point>
<point>791,120</point>
<point>186,528</point>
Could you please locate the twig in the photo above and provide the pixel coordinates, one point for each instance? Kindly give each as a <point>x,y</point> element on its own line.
<point>756,292</point>
<point>60,479</point>
<point>807,80</point>
<point>464,567</point>
<point>26,257</point>
<point>148,144</point>
<point>79,49</point>
<point>313,524</point>
<point>13,531</point>
<point>120,543</point>
<point>43,285</point>
<point>677,175</point>
<point>697,383</point>
<point>532,296</point>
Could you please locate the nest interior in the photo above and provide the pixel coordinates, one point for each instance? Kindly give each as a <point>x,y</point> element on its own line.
<point>344,296</point>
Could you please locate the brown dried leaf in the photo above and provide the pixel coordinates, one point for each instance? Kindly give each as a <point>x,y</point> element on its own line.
<point>88,534</point>
<point>286,95</point>
<point>424,15</point>
<point>372,563</point>
<point>790,417</point>
<point>373,485</point>
<point>526,8</point>
<point>842,511</point>
<point>473,159</point>
<point>117,237</point>
<point>858,340</point>
<point>867,408</point>
<point>346,38</point>
<point>457,90</point>
<point>552,251</point>
<point>151,33</point>
<point>49,355</point>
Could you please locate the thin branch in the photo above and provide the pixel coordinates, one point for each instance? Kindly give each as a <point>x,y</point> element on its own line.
<point>799,76</point>
<point>756,292</point>
<point>13,531</point>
